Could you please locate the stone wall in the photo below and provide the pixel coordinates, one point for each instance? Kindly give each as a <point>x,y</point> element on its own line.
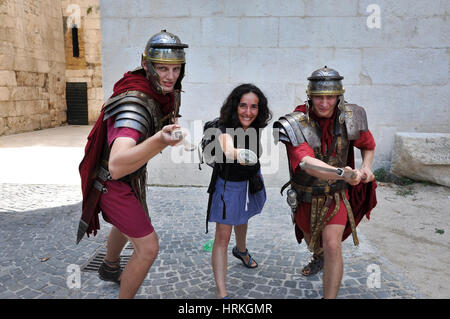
<point>36,62</point>
<point>88,66</point>
<point>398,72</point>
<point>32,66</point>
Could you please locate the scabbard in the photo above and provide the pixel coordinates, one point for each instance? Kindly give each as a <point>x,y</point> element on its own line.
<point>89,210</point>
<point>351,218</point>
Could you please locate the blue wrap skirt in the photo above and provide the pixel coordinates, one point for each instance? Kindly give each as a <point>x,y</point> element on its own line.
<point>240,204</point>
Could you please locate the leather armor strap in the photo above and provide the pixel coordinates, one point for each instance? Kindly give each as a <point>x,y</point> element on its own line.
<point>319,190</point>
<point>320,206</point>
<point>320,222</point>
<point>351,218</point>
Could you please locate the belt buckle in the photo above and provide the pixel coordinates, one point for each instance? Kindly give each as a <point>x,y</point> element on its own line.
<point>316,191</point>
<point>100,187</point>
<point>104,174</point>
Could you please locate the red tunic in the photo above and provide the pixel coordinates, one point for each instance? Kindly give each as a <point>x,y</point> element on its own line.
<point>303,214</point>
<point>131,81</point>
<point>119,205</point>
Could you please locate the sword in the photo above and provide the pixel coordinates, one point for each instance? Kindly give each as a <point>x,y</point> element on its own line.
<point>339,171</point>
<point>178,135</point>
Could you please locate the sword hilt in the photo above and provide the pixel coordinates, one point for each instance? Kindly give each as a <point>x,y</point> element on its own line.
<point>353,175</point>
<point>338,171</point>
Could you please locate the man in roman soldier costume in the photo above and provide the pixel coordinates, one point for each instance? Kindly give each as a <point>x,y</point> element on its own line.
<point>136,123</point>
<point>327,195</point>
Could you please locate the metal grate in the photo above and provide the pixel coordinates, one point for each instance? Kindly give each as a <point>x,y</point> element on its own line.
<point>93,264</point>
<point>77,106</point>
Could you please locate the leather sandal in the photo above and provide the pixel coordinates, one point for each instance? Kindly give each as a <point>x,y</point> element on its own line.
<point>314,266</point>
<point>110,271</point>
<point>239,255</point>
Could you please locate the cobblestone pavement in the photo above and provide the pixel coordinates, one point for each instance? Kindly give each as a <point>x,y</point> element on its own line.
<point>38,229</point>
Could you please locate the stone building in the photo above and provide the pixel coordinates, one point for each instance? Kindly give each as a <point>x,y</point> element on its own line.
<point>394,56</point>
<point>86,66</point>
<point>38,62</point>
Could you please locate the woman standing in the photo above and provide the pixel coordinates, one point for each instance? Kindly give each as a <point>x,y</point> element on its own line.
<point>237,189</point>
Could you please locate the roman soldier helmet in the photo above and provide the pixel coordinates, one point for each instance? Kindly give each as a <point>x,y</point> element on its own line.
<point>325,81</point>
<point>164,47</point>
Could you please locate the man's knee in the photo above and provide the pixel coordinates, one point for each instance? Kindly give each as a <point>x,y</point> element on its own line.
<point>147,247</point>
<point>332,243</point>
<point>332,247</point>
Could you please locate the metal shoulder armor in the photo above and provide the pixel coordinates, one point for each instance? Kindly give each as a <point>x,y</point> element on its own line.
<point>355,121</point>
<point>131,110</point>
<point>296,129</point>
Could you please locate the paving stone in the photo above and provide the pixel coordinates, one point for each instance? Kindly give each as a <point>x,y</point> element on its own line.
<point>290,284</point>
<point>27,293</point>
<point>350,282</point>
<point>311,294</point>
<point>37,221</point>
<point>263,289</point>
<point>297,293</point>
<point>305,285</point>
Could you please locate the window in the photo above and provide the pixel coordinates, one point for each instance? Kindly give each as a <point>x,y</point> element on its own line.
<point>75,46</point>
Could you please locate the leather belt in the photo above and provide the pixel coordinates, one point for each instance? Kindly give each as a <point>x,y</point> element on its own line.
<point>305,193</point>
<point>104,175</point>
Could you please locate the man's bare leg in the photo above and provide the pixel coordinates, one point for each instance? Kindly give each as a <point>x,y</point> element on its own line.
<point>334,266</point>
<point>144,254</point>
<point>114,245</point>
<point>307,237</point>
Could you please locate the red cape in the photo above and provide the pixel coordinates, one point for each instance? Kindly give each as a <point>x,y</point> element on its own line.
<point>362,197</point>
<point>135,81</point>
<point>87,168</point>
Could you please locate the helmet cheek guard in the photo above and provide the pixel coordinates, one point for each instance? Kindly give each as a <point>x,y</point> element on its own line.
<point>166,48</point>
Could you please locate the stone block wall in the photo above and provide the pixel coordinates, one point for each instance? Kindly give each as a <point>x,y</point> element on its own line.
<point>398,72</point>
<point>88,66</point>
<point>36,62</point>
<point>32,66</point>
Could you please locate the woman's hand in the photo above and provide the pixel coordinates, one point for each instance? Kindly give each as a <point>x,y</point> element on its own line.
<point>246,157</point>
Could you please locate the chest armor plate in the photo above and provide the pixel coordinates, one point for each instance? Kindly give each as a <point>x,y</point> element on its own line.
<point>338,158</point>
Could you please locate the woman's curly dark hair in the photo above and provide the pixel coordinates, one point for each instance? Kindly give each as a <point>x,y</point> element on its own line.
<point>228,112</point>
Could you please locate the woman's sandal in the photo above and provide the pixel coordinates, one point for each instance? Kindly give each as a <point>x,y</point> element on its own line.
<point>239,255</point>
<point>314,266</point>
